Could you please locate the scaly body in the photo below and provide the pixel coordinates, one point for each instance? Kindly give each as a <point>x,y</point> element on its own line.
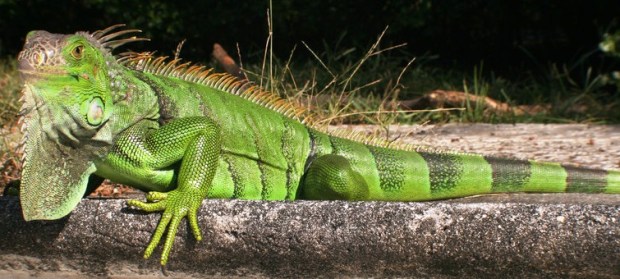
<point>185,135</point>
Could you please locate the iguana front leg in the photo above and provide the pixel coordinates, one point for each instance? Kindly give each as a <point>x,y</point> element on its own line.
<point>145,157</point>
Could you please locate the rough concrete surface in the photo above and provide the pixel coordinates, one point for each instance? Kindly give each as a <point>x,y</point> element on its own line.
<point>507,235</point>
<point>517,235</point>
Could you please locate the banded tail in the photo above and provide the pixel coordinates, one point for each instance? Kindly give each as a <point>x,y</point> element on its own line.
<point>343,169</point>
<point>459,175</point>
<point>531,176</point>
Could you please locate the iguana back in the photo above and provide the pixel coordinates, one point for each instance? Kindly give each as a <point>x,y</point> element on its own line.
<point>266,153</point>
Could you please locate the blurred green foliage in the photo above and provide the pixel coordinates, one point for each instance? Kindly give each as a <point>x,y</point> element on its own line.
<point>610,45</point>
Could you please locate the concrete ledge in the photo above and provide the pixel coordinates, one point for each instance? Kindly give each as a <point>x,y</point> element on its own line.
<point>520,235</point>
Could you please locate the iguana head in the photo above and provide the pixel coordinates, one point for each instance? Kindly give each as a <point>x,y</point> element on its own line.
<point>65,76</point>
<point>67,103</point>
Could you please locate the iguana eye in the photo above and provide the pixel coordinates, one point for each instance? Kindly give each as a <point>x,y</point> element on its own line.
<point>94,116</point>
<point>77,52</point>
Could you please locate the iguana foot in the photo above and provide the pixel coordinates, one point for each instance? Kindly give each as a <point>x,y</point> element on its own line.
<point>175,205</point>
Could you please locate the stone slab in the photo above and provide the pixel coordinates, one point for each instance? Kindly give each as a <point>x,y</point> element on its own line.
<point>516,235</point>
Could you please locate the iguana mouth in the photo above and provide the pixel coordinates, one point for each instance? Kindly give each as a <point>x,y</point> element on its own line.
<point>30,74</point>
<point>27,69</point>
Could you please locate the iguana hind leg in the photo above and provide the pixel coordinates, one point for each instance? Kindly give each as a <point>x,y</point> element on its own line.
<point>331,177</point>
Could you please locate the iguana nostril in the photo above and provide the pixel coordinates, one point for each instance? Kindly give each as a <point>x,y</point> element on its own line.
<point>24,64</point>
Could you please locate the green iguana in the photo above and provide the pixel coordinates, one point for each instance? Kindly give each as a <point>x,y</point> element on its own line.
<point>184,134</point>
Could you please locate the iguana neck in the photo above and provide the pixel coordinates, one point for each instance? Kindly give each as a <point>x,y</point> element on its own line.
<point>134,100</point>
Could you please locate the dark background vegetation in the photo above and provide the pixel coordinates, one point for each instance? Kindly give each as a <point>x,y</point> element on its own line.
<point>504,34</point>
<point>545,51</point>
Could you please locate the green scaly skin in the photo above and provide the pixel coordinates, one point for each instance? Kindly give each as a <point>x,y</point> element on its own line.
<point>184,135</point>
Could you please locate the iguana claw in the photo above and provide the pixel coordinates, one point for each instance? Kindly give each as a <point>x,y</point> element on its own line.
<point>176,205</point>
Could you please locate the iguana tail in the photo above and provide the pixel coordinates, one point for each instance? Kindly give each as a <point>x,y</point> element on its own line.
<point>474,174</point>
<point>530,176</point>
<point>364,172</point>
<point>613,182</point>
<point>343,169</point>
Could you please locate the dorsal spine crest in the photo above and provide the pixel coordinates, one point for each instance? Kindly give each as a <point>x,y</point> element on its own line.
<point>161,65</point>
